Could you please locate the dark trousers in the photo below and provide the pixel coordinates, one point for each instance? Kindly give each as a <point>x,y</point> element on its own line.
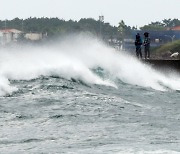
<point>147,52</point>
<point>138,52</point>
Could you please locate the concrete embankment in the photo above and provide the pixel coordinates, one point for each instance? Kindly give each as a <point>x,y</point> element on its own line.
<point>164,64</point>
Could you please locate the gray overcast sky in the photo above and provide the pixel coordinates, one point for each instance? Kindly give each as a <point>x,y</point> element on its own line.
<point>133,12</point>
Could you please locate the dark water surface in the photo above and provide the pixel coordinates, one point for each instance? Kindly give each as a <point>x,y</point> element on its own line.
<point>56,115</point>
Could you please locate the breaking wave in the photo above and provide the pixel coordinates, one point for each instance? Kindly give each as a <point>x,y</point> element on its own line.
<point>77,58</point>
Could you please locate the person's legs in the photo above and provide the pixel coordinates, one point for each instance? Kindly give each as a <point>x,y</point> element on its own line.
<point>137,52</point>
<point>140,53</point>
<point>148,52</point>
<point>145,52</point>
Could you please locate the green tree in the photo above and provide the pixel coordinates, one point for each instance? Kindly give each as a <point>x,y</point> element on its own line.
<point>164,25</point>
<point>124,30</point>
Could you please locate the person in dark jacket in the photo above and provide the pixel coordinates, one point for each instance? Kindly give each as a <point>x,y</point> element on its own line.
<point>146,45</point>
<point>138,43</point>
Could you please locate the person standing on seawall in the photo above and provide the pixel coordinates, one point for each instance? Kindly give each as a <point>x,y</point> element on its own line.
<point>138,43</point>
<point>146,45</point>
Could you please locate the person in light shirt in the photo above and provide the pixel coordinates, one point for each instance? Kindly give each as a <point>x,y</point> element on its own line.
<point>146,45</point>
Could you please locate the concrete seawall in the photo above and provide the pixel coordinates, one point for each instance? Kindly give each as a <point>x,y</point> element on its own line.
<point>164,64</point>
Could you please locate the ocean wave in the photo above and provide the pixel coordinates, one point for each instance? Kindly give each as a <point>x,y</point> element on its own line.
<point>80,59</point>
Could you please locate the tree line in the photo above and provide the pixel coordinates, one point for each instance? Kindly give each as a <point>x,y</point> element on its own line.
<point>57,27</point>
<point>163,25</point>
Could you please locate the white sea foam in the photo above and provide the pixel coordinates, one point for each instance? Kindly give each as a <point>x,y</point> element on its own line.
<point>74,58</point>
<point>5,87</point>
<point>148,152</point>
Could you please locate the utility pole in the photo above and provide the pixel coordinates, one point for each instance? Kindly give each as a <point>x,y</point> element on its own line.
<point>101,20</point>
<point>22,26</point>
<point>5,24</point>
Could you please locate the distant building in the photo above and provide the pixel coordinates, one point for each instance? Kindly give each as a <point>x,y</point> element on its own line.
<point>34,36</point>
<point>9,35</point>
<point>176,28</point>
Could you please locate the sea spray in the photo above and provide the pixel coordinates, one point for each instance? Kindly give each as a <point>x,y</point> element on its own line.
<point>76,57</point>
<point>61,106</point>
<point>5,87</point>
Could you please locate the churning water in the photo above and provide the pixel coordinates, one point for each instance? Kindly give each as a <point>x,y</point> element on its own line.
<point>80,96</point>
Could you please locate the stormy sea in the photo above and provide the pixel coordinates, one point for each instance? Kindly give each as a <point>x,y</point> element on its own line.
<point>80,96</point>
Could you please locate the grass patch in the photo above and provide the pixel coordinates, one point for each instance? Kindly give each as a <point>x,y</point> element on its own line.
<point>172,47</point>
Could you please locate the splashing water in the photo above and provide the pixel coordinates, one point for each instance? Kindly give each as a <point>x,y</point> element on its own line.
<point>81,96</point>
<point>75,57</point>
